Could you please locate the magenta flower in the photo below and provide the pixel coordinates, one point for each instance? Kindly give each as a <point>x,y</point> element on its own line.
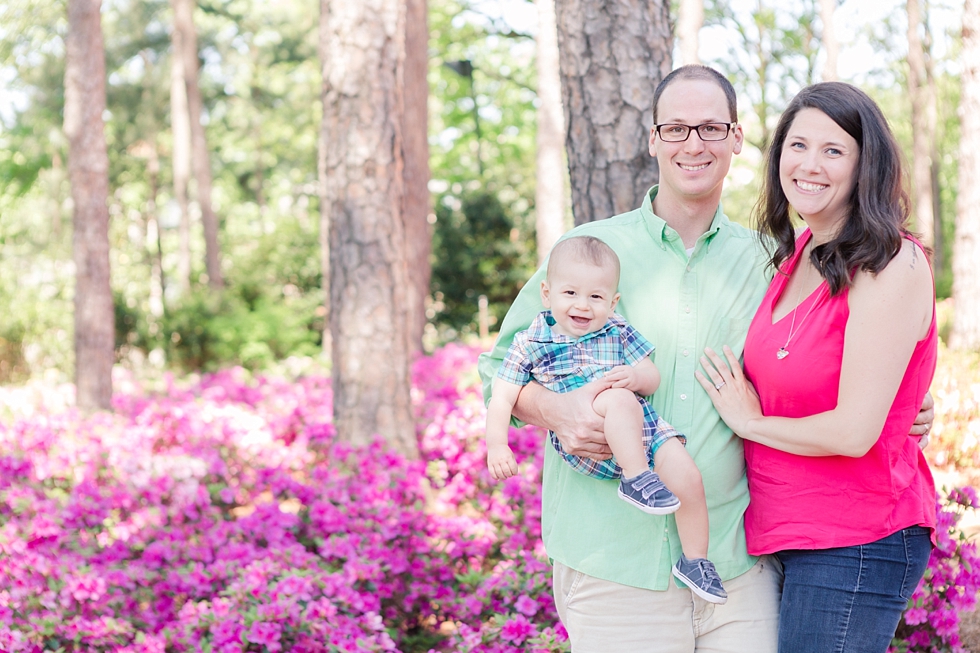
<point>517,629</point>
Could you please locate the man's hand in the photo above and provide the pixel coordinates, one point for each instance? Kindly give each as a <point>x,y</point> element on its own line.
<point>570,415</point>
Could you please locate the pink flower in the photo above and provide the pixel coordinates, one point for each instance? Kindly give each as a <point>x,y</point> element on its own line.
<point>265,634</point>
<point>517,629</point>
<point>526,605</point>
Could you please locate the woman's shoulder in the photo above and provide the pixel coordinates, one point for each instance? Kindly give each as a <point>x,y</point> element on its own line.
<point>908,273</point>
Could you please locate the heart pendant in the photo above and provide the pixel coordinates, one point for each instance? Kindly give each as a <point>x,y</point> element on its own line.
<point>782,353</point>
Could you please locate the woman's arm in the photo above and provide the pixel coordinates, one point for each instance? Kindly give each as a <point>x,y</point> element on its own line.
<point>889,314</point>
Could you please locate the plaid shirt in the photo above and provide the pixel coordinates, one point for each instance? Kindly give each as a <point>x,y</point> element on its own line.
<point>562,363</point>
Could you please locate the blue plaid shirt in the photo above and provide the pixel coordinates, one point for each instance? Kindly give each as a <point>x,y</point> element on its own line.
<point>562,364</point>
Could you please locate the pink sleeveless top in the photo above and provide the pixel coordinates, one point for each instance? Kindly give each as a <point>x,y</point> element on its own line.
<point>806,502</point>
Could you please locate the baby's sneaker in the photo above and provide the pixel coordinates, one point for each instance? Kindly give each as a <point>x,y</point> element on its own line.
<point>648,493</point>
<point>700,575</point>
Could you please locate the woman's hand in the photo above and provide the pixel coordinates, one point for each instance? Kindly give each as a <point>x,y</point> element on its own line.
<point>733,395</point>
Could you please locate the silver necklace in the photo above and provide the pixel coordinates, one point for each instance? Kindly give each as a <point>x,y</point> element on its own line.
<point>783,351</point>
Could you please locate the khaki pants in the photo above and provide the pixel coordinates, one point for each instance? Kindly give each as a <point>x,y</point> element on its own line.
<point>606,617</point>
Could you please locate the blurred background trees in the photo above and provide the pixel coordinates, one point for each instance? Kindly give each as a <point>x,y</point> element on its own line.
<point>249,288</point>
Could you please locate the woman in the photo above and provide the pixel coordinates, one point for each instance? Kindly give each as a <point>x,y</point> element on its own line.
<point>842,349</point>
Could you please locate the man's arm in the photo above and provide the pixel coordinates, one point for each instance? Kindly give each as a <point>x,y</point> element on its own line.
<point>570,415</point>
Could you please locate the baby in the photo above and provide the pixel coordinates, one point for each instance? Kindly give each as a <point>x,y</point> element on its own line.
<point>578,340</point>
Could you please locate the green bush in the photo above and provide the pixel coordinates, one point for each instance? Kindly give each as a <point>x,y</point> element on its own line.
<point>477,249</point>
<point>208,330</point>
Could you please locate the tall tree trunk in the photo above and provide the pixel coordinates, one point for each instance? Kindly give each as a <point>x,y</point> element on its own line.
<point>416,202</point>
<point>88,170</point>
<point>966,247</point>
<point>363,118</point>
<point>829,39</point>
<point>200,158</point>
<point>549,194</point>
<point>923,125</point>
<point>612,57</point>
<point>690,18</point>
<point>324,194</point>
<point>180,127</point>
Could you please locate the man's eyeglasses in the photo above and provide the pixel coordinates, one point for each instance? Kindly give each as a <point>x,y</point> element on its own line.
<point>709,131</point>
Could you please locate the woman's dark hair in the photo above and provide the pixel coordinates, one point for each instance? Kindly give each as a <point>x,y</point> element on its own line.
<point>872,232</point>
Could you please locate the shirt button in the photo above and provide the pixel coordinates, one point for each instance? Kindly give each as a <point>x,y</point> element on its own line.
<point>687,309</point>
<point>683,397</point>
<point>685,352</point>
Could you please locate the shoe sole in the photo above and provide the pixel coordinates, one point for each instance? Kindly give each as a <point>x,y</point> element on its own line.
<point>650,510</point>
<point>710,598</point>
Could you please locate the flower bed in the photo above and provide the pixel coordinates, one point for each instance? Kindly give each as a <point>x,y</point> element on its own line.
<point>224,515</point>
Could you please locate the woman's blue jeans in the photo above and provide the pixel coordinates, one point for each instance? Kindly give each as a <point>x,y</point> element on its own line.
<point>850,599</point>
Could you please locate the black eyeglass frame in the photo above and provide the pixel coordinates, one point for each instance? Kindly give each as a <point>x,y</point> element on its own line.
<point>729,126</point>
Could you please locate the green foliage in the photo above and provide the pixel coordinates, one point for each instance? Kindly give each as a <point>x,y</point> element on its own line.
<point>477,250</point>
<point>207,331</point>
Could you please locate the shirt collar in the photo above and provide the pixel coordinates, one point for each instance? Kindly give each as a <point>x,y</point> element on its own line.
<point>540,329</point>
<point>659,227</point>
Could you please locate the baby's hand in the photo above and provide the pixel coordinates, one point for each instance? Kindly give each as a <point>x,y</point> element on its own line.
<point>621,376</point>
<point>501,462</point>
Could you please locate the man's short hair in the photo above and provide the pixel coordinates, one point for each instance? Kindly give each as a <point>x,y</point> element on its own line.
<point>698,71</point>
<point>583,248</point>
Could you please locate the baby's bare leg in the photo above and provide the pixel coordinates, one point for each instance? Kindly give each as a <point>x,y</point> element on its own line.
<point>681,475</point>
<point>623,425</point>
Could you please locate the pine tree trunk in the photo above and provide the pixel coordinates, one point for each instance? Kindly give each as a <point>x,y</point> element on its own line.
<point>923,126</point>
<point>549,194</point>
<point>200,158</point>
<point>966,248</point>
<point>612,57</point>
<point>363,119</point>
<point>417,204</point>
<point>829,39</point>
<point>88,170</point>
<point>690,18</point>
<point>323,145</point>
<point>180,127</point>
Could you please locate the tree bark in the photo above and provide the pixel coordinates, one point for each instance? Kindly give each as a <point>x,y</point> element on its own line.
<point>690,18</point>
<point>923,125</point>
<point>417,204</point>
<point>549,194</point>
<point>829,39</point>
<point>965,333</point>
<point>364,67</point>
<point>323,145</point>
<point>612,56</point>
<point>200,158</point>
<point>88,170</point>
<point>180,128</point>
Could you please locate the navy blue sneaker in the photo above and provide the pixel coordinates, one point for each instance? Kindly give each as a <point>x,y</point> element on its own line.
<point>700,575</point>
<point>648,493</point>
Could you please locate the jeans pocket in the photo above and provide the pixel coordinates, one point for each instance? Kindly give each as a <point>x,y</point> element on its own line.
<point>918,549</point>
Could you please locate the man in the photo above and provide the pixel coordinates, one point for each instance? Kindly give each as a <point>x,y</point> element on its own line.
<point>690,279</point>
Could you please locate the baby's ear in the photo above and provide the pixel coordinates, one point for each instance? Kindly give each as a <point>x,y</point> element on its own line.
<point>545,294</point>
<point>615,300</point>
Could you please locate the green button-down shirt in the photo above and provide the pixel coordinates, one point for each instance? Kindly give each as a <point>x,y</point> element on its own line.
<point>682,305</point>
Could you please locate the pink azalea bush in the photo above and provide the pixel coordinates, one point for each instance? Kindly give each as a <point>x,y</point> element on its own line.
<point>223,515</point>
<point>950,587</point>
